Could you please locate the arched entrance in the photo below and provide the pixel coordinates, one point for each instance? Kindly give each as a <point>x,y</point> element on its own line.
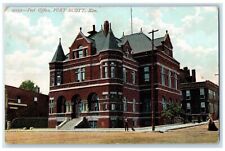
<point>76,106</point>
<point>61,104</point>
<point>93,102</point>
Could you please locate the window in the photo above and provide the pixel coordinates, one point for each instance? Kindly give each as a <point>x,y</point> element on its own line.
<point>18,99</point>
<point>188,95</point>
<point>125,104</point>
<point>169,79</point>
<point>51,105</point>
<point>202,106</point>
<point>52,80</point>
<point>175,80</point>
<point>112,70</point>
<point>113,107</point>
<point>58,79</point>
<point>188,106</point>
<point>82,74</point>
<point>85,106</point>
<point>163,76</point>
<point>164,103</point>
<point>124,75</point>
<point>146,74</point>
<point>78,74</point>
<point>133,77</point>
<point>80,53</point>
<point>202,93</point>
<point>35,99</point>
<point>105,70</point>
<point>134,105</point>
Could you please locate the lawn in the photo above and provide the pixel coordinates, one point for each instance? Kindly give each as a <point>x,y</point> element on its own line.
<point>192,135</point>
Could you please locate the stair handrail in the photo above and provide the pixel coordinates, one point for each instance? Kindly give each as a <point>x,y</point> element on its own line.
<point>62,124</point>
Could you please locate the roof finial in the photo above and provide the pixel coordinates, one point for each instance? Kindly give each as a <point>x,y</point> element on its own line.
<point>60,40</point>
<point>166,31</point>
<point>123,34</point>
<point>80,29</point>
<point>141,30</point>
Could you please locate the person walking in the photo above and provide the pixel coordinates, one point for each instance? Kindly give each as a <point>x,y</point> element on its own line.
<point>126,124</point>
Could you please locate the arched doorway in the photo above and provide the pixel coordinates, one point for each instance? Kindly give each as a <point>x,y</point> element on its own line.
<point>61,104</point>
<point>93,102</point>
<point>76,106</point>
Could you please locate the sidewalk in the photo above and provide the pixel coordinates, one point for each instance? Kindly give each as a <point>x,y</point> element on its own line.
<point>160,128</point>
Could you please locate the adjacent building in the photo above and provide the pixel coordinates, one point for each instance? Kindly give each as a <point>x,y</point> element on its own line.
<point>199,98</point>
<point>25,108</point>
<point>104,79</point>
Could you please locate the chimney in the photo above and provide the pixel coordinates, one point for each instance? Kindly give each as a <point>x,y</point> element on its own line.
<point>193,77</point>
<point>106,27</point>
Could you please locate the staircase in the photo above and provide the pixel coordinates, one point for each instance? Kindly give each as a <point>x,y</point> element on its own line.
<point>72,124</point>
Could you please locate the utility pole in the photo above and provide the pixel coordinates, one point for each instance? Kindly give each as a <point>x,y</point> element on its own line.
<point>152,80</point>
<point>131,22</point>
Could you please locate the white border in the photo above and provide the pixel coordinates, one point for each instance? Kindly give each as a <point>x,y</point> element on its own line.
<point>133,3</point>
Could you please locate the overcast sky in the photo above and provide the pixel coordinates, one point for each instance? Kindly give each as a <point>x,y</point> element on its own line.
<point>31,37</point>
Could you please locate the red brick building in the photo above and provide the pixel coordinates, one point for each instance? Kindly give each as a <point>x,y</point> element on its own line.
<point>199,99</point>
<point>23,105</point>
<point>105,78</point>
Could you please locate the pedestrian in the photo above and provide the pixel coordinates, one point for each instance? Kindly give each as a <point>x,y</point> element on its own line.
<point>126,124</point>
<point>211,125</point>
<point>132,128</point>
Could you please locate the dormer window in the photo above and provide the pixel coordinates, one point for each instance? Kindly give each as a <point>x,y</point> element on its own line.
<point>80,54</point>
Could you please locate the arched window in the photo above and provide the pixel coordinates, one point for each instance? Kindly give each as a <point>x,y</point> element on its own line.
<point>76,106</point>
<point>93,102</point>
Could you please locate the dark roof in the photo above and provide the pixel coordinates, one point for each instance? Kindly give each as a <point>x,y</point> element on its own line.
<point>140,42</point>
<point>158,41</point>
<point>59,54</point>
<point>103,42</point>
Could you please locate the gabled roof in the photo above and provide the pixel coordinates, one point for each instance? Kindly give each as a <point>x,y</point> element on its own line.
<point>59,54</point>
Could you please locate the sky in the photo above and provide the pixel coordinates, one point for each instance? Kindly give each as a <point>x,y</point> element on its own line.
<point>31,36</point>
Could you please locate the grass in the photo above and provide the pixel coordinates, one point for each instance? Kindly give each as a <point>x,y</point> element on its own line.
<point>192,135</point>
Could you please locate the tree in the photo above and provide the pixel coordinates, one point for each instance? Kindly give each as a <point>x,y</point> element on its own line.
<point>172,111</point>
<point>28,85</point>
